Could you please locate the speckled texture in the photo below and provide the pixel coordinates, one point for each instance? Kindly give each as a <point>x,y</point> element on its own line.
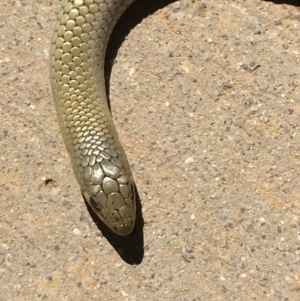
<point>206,104</point>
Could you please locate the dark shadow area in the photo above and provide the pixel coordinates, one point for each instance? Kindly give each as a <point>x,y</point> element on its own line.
<point>130,247</point>
<point>288,2</point>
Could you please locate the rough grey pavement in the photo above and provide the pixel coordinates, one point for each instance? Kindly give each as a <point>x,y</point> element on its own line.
<point>206,99</point>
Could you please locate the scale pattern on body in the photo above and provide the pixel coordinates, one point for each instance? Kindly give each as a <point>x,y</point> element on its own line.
<point>77,54</point>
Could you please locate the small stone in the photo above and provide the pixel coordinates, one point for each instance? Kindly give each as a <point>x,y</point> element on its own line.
<point>189,160</point>
<point>72,257</point>
<point>131,71</point>
<point>76,231</point>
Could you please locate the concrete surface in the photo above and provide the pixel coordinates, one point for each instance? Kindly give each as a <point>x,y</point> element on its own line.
<point>205,96</point>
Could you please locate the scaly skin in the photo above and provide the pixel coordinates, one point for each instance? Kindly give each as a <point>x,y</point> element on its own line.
<point>77,56</point>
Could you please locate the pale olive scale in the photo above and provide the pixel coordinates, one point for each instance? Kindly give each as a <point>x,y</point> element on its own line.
<point>77,54</point>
